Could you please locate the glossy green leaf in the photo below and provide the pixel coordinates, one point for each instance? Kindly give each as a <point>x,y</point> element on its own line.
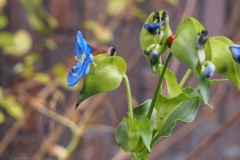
<point>122,137</point>
<point>204,87</point>
<point>184,112</point>
<point>106,76</point>
<point>145,130</point>
<point>22,43</point>
<point>173,88</point>
<point>141,111</point>
<point>222,59</point>
<point>223,39</point>
<point>165,105</point>
<point>183,46</point>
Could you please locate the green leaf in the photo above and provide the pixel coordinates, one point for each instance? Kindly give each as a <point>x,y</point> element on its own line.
<point>184,112</point>
<point>174,89</point>
<point>122,137</point>
<point>42,78</point>
<point>145,130</point>
<point>165,105</point>
<point>222,59</point>
<point>106,76</point>
<point>116,6</point>
<point>6,38</point>
<point>141,111</point>
<point>2,118</point>
<point>102,33</point>
<point>204,87</point>
<point>223,39</point>
<point>22,43</point>
<point>3,21</point>
<point>13,108</point>
<point>183,46</point>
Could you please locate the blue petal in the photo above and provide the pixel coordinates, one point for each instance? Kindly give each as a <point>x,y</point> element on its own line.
<point>152,28</point>
<point>209,70</point>
<point>235,50</point>
<point>75,74</point>
<point>81,46</point>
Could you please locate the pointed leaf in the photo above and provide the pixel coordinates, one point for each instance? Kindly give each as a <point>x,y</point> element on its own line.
<point>183,46</point>
<point>145,130</point>
<point>184,112</point>
<point>106,76</point>
<point>173,87</point>
<point>222,59</point>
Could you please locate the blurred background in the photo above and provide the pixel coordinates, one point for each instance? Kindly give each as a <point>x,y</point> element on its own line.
<point>37,110</point>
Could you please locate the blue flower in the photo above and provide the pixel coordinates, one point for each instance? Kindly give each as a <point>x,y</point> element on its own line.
<point>235,50</point>
<point>208,70</point>
<point>152,27</point>
<point>82,52</point>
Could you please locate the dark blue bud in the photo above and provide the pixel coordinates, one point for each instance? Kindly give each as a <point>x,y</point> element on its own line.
<point>208,70</point>
<point>201,39</point>
<point>153,56</point>
<point>235,50</point>
<point>152,27</point>
<point>164,15</point>
<point>156,17</point>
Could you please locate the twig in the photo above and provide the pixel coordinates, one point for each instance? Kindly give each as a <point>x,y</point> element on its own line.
<point>13,130</point>
<point>214,136</point>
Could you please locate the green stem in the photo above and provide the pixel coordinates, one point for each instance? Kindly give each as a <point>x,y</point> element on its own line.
<point>95,65</point>
<point>185,77</point>
<point>159,84</point>
<point>129,98</point>
<point>72,145</point>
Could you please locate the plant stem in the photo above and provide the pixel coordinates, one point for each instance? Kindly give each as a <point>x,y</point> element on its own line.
<point>159,84</point>
<point>185,77</point>
<point>129,98</point>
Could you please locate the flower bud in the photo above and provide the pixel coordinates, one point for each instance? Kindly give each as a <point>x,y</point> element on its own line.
<point>153,56</point>
<point>152,28</point>
<point>208,69</point>
<point>111,51</point>
<point>235,50</point>
<point>201,39</point>
<point>149,49</point>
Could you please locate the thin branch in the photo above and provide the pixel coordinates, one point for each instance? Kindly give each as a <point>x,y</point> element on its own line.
<point>207,142</point>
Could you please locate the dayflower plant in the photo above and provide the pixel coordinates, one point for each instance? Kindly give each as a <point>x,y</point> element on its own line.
<point>82,52</point>
<point>155,118</point>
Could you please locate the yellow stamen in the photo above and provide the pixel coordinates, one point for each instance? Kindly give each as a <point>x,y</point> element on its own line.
<point>75,75</point>
<point>82,58</point>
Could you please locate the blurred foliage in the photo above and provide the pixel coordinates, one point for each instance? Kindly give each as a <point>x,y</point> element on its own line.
<point>38,18</point>
<point>11,106</point>
<point>102,33</point>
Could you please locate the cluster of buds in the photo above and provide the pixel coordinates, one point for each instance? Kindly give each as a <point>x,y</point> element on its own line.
<point>158,23</point>
<point>152,51</point>
<point>156,28</point>
<point>207,67</point>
